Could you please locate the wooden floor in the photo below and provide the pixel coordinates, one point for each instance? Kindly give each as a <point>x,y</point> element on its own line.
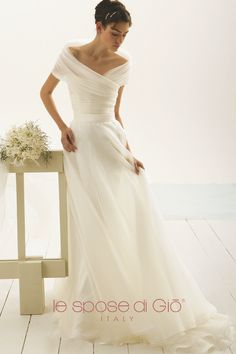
<point>208,248</point>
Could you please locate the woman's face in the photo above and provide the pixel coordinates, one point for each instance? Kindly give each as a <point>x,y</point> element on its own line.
<point>114,34</point>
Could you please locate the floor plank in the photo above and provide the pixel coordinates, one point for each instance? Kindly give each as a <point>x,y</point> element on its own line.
<point>207,247</point>
<point>195,254</point>
<point>5,287</point>
<point>202,267</point>
<point>213,241</point>
<point>12,325</point>
<point>39,327</point>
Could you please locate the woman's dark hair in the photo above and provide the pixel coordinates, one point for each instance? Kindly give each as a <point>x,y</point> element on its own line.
<point>108,11</point>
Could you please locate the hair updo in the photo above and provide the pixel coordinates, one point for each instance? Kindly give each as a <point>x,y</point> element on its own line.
<point>108,11</point>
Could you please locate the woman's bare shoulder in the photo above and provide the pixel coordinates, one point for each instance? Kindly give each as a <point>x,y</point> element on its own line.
<point>120,58</point>
<point>77,50</point>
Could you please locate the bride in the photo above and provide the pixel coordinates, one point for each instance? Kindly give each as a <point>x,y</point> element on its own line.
<point>126,282</point>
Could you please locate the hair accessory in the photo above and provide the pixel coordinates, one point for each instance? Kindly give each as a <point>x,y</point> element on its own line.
<point>110,15</point>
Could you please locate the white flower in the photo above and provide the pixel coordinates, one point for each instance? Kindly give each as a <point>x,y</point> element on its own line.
<point>27,141</point>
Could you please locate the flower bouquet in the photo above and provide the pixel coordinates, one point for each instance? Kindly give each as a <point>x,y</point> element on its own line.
<point>27,141</point>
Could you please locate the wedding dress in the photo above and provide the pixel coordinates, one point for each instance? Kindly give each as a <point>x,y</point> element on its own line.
<point>126,283</point>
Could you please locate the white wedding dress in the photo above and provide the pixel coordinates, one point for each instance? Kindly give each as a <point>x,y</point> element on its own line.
<point>119,251</point>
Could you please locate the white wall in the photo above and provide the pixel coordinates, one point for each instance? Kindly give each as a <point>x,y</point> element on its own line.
<point>179,109</point>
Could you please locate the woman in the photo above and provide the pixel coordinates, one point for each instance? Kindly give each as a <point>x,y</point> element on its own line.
<point>126,282</point>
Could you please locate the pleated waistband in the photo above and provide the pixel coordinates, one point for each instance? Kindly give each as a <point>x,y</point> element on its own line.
<point>93,118</point>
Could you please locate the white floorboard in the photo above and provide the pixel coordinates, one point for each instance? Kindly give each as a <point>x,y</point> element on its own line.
<point>204,268</point>
<point>13,327</point>
<point>5,286</point>
<point>207,247</point>
<point>219,244</point>
<point>39,328</point>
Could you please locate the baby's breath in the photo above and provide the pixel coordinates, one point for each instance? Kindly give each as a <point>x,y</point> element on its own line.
<point>27,141</point>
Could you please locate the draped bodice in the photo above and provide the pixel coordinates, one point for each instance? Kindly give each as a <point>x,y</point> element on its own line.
<point>92,95</point>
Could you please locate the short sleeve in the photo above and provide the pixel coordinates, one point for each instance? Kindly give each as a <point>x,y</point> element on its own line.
<point>125,73</point>
<point>59,68</point>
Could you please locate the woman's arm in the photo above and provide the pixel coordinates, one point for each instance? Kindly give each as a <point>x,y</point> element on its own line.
<point>67,137</point>
<point>117,114</point>
<point>46,96</point>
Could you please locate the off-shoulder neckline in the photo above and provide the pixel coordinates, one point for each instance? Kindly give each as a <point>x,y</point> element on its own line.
<point>86,66</point>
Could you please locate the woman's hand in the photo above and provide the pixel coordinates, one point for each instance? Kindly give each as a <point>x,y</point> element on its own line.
<point>137,165</point>
<point>68,139</point>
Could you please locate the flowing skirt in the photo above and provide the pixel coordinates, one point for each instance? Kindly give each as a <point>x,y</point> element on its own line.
<point>126,283</point>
